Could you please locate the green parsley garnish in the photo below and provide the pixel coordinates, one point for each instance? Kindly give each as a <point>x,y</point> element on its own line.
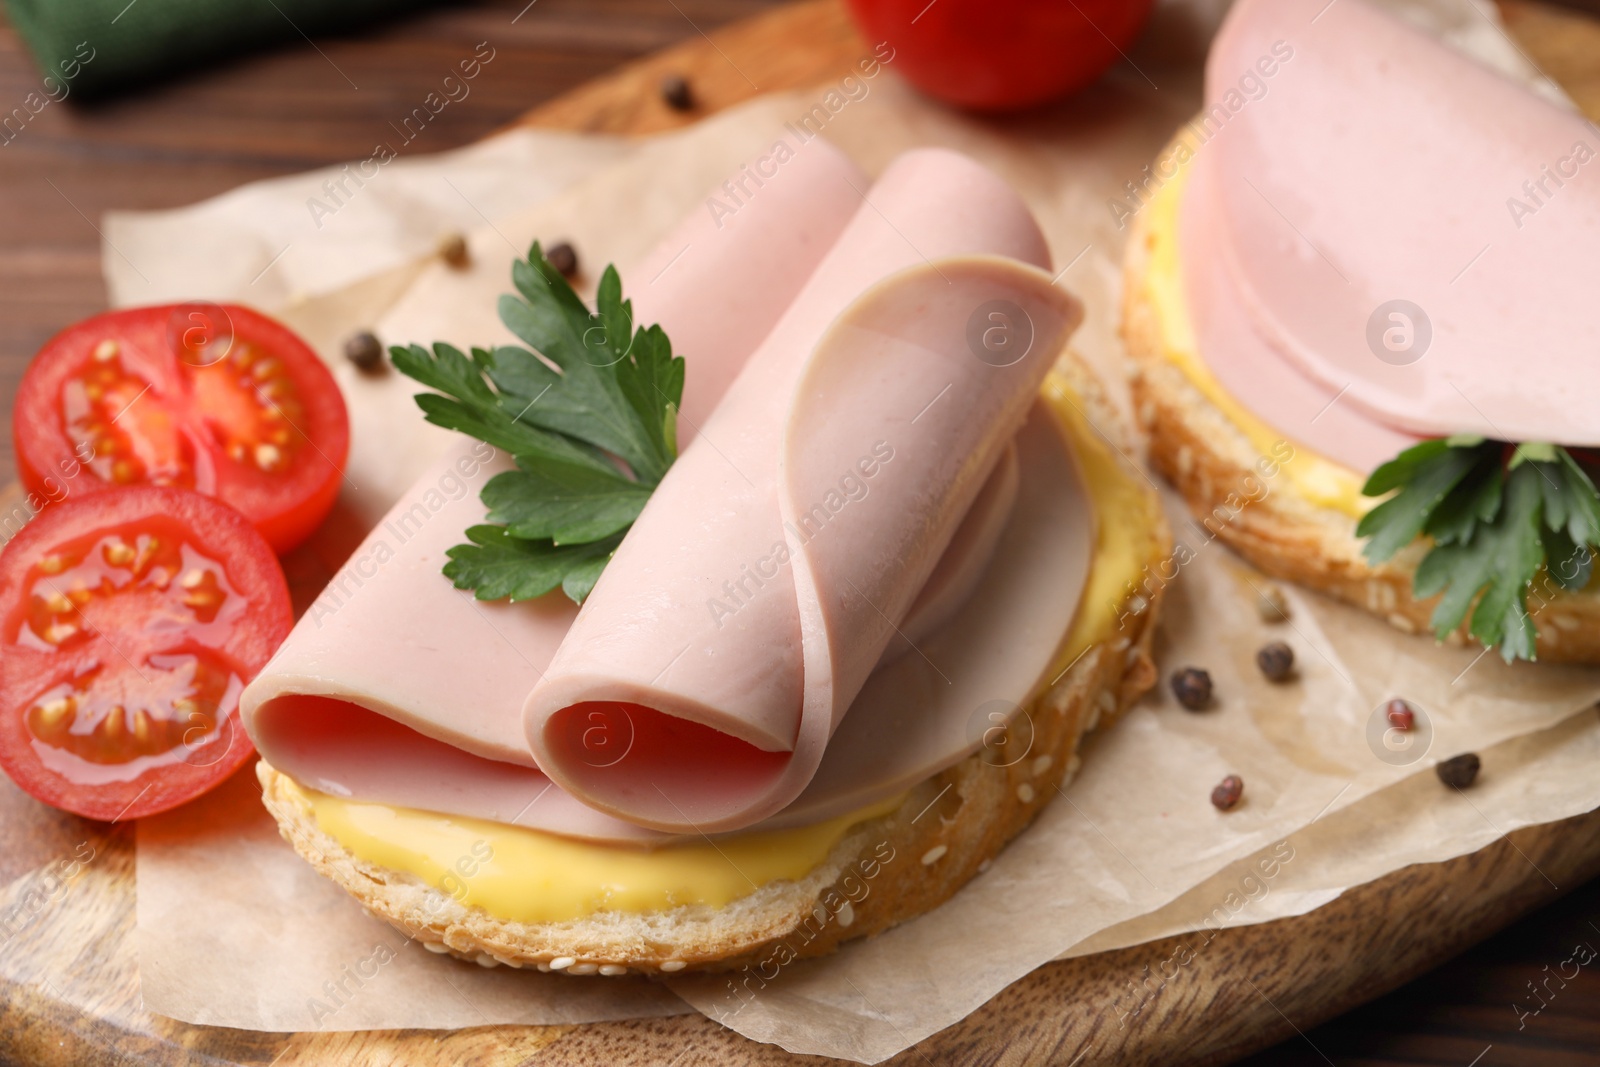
<point>1496,515</point>
<point>592,427</point>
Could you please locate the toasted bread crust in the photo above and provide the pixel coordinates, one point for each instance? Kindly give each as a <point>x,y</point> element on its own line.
<point>882,872</point>
<point>1208,458</point>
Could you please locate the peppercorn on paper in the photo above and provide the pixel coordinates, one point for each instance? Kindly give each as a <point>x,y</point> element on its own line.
<point>1131,851</point>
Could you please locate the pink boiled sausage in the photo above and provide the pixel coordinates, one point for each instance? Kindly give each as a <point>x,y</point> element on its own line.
<point>1398,226</point>
<point>700,683</point>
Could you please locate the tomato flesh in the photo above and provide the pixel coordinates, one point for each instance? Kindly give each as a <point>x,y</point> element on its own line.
<point>132,620</point>
<point>148,446</point>
<point>221,400</point>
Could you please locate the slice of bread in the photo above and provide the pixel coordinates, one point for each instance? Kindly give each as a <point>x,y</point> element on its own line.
<point>1207,458</point>
<point>882,872</point>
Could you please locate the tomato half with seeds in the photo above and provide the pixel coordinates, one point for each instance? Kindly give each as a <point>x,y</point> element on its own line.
<point>215,398</point>
<point>130,620</point>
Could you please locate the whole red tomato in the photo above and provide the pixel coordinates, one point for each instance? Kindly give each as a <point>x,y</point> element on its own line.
<point>997,55</point>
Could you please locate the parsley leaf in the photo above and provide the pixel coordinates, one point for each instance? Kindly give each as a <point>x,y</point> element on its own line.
<point>1498,560</point>
<point>498,564</point>
<point>589,411</point>
<point>1494,523</point>
<point>568,503</point>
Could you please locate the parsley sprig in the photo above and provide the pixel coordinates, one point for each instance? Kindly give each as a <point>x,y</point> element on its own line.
<point>592,426</point>
<point>1496,514</point>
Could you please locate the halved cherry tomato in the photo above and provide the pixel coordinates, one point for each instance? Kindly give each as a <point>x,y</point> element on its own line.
<point>130,619</point>
<point>219,399</point>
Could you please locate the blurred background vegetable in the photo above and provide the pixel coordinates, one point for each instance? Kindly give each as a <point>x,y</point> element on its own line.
<point>72,43</point>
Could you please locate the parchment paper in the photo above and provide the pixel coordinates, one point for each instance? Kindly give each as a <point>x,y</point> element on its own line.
<point>283,240</point>
<point>1133,851</point>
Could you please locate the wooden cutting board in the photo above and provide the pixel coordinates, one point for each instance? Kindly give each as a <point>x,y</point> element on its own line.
<point>1300,971</point>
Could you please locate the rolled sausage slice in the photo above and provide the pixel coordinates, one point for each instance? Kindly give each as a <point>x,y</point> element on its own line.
<point>698,687</point>
<point>398,688</point>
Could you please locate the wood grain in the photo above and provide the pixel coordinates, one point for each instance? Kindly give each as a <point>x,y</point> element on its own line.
<point>68,981</point>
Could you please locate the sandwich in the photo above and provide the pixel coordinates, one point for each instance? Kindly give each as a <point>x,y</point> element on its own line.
<point>681,663</point>
<point>1356,305</point>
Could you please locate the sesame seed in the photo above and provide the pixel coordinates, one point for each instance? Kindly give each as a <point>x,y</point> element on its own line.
<point>847,914</point>
<point>933,855</point>
<point>435,946</point>
<point>583,968</point>
<point>561,963</point>
<point>486,961</point>
<point>1041,765</point>
<point>1025,793</point>
<point>612,969</point>
<point>673,965</point>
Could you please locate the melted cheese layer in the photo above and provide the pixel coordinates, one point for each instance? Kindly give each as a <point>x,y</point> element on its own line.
<point>1316,478</point>
<point>522,875</point>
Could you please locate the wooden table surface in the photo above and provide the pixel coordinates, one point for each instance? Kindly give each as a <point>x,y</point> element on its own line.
<point>295,108</point>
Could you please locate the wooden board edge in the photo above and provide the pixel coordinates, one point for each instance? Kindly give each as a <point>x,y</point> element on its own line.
<point>796,46</point>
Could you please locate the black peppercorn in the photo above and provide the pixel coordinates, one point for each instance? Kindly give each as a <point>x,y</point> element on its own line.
<point>675,92</point>
<point>1192,687</point>
<point>1227,793</point>
<point>364,350</point>
<point>453,250</point>
<point>563,257</point>
<point>1458,772</point>
<point>1276,660</point>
